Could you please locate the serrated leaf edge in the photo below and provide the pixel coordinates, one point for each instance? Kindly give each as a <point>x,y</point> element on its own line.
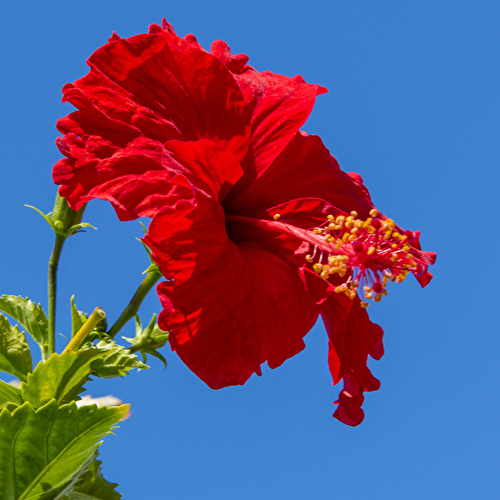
<point>48,466</point>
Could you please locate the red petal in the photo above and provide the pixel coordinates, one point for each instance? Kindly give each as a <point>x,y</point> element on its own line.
<point>285,236</point>
<point>206,165</point>
<point>136,180</point>
<point>282,105</point>
<point>317,288</point>
<point>231,307</point>
<point>150,86</point>
<point>361,189</point>
<point>305,169</point>
<point>352,418</point>
<point>353,337</point>
<point>181,84</point>
<point>350,402</point>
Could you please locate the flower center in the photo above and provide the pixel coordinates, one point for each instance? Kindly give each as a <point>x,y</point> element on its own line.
<point>370,252</point>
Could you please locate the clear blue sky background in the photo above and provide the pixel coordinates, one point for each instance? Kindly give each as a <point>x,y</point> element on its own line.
<point>414,108</point>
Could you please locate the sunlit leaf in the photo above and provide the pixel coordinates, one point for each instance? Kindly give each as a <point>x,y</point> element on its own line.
<point>93,486</point>
<point>9,395</point>
<point>62,492</point>
<point>78,318</point>
<point>42,450</point>
<point>63,376</point>
<point>149,340</point>
<point>115,362</point>
<point>30,316</point>
<point>15,356</point>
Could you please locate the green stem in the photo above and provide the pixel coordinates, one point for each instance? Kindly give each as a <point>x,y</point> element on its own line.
<point>68,217</point>
<point>52,286</point>
<point>133,306</point>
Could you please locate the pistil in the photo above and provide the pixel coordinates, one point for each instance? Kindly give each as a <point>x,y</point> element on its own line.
<point>372,252</point>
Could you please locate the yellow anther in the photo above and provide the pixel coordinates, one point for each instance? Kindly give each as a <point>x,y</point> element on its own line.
<point>276,217</point>
<point>345,237</point>
<point>371,251</point>
<point>364,305</point>
<point>354,230</point>
<point>330,217</point>
<point>309,259</point>
<point>331,226</point>
<point>349,224</point>
<point>369,295</point>
<point>352,237</point>
<point>378,297</point>
<point>367,288</point>
<point>354,213</point>
<point>324,274</point>
<point>338,244</point>
<point>406,248</point>
<point>373,212</point>
<point>340,219</point>
<point>393,245</point>
<point>317,267</point>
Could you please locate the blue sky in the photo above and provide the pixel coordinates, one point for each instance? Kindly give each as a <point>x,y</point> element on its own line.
<point>413,106</point>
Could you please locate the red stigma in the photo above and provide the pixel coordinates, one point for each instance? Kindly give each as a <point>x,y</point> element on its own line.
<point>358,247</point>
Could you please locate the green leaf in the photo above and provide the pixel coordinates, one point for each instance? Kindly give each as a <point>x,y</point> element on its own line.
<point>30,316</point>
<point>93,486</point>
<point>63,376</point>
<point>15,355</point>
<point>61,492</point>
<point>116,361</point>
<point>9,395</point>
<point>44,449</point>
<point>78,318</point>
<point>149,340</point>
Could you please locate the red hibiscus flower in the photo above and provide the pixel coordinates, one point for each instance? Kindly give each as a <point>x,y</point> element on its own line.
<point>254,225</point>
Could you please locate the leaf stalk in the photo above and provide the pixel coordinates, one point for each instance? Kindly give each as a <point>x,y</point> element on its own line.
<point>135,302</point>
